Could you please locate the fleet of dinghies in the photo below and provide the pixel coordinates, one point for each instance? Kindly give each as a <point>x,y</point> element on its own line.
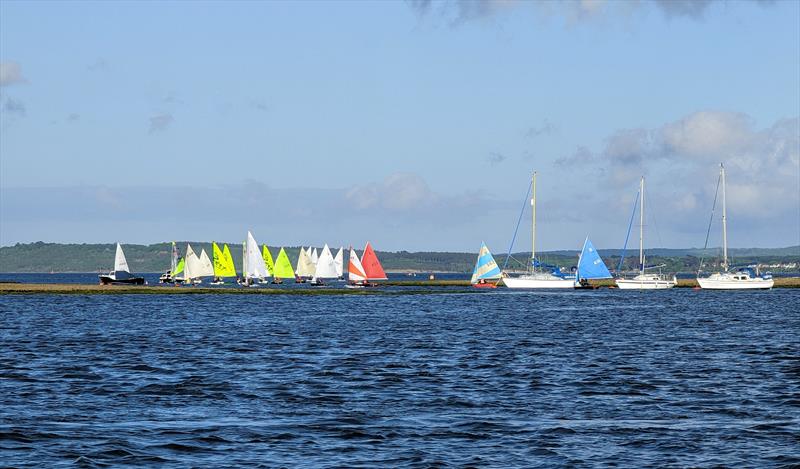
<point>319,267</point>
<point>259,267</point>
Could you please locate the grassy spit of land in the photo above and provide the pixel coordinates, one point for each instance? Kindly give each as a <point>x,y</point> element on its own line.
<point>61,288</point>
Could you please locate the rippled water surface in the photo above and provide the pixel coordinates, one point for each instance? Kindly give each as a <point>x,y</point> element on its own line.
<point>676,378</point>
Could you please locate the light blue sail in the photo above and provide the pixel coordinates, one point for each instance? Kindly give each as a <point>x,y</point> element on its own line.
<point>590,265</point>
<point>485,267</point>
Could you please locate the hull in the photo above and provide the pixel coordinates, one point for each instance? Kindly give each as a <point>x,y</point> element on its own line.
<point>109,280</point>
<point>644,283</point>
<point>484,285</point>
<point>538,283</point>
<point>734,284</point>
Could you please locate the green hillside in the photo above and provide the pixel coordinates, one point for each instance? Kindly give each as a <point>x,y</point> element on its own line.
<point>46,257</point>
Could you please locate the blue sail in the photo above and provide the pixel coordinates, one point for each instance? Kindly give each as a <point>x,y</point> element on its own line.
<point>485,267</point>
<point>590,265</point>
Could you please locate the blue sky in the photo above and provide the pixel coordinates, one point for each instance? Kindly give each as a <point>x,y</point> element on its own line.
<point>412,124</point>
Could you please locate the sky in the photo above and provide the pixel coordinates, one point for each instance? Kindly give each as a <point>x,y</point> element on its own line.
<point>415,125</point>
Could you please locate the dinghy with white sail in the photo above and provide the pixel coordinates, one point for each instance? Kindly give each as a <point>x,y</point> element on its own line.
<point>325,268</point>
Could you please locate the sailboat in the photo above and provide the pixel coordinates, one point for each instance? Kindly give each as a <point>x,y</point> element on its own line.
<point>175,267</point>
<point>192,267</point>
<point>282,268</point>
<point>305,268</point>
<point>339,262</point>
<point>355,271</point>
<point>314,256</point>
<point>533,278</point>
<point>644,280</point>
<point>590,266</point>
<point>485,269</point>
<point>743,279</point>
<point>223,264</point>
<point>121,273</point>
<point>325,268</point>
<point>268,261</point>
<point>371,264</point>
<point>254,268</point>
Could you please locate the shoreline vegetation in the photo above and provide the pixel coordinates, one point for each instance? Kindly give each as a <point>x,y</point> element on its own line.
<point>412,287</point>
<point>42,257</point>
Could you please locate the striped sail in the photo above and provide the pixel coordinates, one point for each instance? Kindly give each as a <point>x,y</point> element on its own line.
<point>485,267</point>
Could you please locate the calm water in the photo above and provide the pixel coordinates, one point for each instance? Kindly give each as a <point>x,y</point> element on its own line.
<point>677,378</point>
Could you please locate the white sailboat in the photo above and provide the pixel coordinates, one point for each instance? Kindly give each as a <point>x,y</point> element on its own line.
<point>743,279</point>
<point>339,262</point>
<point>305,268</point>
<point>644,280</point>
<point>314,256</point>
<point>192,267</point>
<point>121,273</point>
<point>326,267</point>
<point>255,268</point>
<point>536,279</point>
<point>205,268</point>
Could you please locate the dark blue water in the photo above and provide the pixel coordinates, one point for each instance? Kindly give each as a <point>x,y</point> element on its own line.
<point>492,379</point>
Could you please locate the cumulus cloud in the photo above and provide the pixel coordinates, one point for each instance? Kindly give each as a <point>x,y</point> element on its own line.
<point>681,158</point>
<point>10,73</point>
<point>160,122</point>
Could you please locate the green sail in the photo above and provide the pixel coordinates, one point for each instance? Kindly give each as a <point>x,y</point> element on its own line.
<point>283,268</point>
<point>268,260</point>
<point>227,260</point>
<point>222,266</point>
<point>179,267</point>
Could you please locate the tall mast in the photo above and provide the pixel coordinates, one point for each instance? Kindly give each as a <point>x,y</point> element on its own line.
<point>724,221</point>
<point>641,225</point>
<point>174,261</point>
<point>533,222</point>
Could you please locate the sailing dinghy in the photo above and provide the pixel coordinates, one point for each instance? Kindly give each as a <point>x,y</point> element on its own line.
<point>282,268</point>
<point>372,266</point>
<point>355,271</point>
<point>223,264</point>
<point>121,275</point>
<point>486,269</point>
<point>305,267</point>
<point>268,261</point>
<point>175,267</point>
<point>339,261</point>
<point>590,267</point>
<point>325,268</point>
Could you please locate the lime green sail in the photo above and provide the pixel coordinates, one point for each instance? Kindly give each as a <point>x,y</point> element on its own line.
<point>283,268</point>
<point>179,267</point>
<point>268,260</point>
<point>226,252</point>
<point>223,265</point>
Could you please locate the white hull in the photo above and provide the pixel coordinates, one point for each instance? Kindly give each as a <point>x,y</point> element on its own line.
<point>734,282</point>
<point>645,282</point>
<point>538,281</point>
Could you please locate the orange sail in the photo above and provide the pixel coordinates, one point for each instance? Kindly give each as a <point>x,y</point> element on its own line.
<point>372,267</point>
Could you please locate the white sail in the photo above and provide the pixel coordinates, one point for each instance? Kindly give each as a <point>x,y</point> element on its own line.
<point>314,256</point>
<point>305,268</point>
<point>206,267</point>
<point>355,271</point>
<point>339,261</point>
<point>256,268</point>
<point>191,266</point>
<point>120,263</point>
<point>326,266</point>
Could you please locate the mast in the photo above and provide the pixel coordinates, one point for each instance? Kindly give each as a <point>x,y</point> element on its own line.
<point>533,222</point>
<point>174,261</point>
<point>244,260</point>
<point>641,225</point>
<point>724,221</point>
